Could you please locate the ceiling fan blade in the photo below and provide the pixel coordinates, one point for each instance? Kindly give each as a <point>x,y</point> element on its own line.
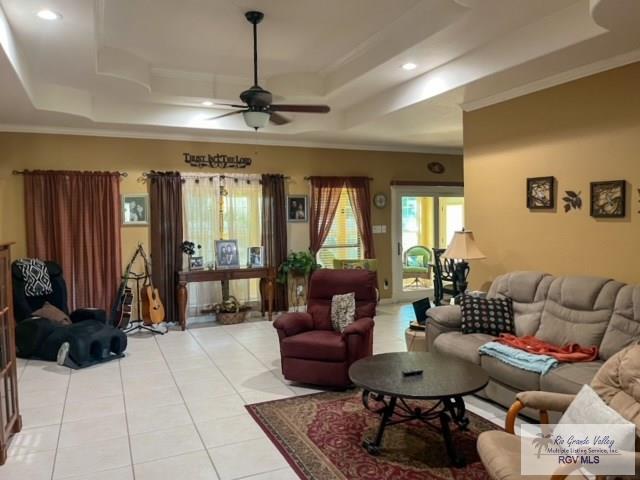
<point>228,114</point>
<point>300,108</point>
<point>230,105</point>
<point>278,119</point>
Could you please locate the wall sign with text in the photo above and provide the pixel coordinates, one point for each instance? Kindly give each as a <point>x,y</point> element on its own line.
<point>219,160</point>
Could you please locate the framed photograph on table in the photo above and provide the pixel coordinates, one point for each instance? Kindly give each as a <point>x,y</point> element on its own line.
<point>227,254</point>
<point>255,257</point>
<point>135,209</point>
<point>297,208</point>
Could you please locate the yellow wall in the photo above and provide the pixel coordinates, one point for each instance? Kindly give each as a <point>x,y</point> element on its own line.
<point>40,151</point>
<point>587,130</point>
<point>426,222</point>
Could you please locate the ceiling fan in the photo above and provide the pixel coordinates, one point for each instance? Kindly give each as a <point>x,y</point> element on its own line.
<point>258,109</point>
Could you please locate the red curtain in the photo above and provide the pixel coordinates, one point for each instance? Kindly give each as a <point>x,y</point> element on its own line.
<point>325,196</point>
<point>274,231</point>
<point>360,198</point>
<point>165,205</point>
<point>73,218</point>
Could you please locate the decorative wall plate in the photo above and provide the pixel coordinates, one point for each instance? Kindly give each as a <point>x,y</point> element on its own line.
<point>380,200</point>
<point>435,167</point>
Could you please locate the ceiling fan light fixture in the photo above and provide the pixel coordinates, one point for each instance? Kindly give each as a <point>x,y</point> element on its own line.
<point>256,119</point>
<point>409,66</point>
<point>207,103</point>
<point>46,14</point>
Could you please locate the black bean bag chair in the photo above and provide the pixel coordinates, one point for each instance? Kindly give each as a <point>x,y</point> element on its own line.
<point>91,338</point>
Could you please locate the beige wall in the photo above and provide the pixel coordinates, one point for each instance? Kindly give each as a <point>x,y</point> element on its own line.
<point>584,131</point>
<point>39,151</point>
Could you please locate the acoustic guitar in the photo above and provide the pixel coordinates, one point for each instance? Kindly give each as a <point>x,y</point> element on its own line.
<point>151,307</point>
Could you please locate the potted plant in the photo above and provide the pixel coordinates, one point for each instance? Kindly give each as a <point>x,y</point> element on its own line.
<point>230,311</point>
<point>299,266</point>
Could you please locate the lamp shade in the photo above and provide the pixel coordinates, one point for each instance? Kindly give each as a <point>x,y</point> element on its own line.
<point>463,247</point>
<point>256,119</point>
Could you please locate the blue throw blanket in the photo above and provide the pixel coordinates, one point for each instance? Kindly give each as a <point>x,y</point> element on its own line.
<point>519,358</point>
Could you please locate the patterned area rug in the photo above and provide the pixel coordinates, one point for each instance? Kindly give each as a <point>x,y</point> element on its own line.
<point>321,436</point>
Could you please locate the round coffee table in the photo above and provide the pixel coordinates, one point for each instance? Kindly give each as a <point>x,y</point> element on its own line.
<point>443,379</point>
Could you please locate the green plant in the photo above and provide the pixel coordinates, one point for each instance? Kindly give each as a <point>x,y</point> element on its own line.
<point>297,263</point>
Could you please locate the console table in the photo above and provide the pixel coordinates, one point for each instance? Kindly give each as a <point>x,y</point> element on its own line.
<point>267,276</point>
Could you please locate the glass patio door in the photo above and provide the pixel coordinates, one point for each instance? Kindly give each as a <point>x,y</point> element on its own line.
<point>424,218</point>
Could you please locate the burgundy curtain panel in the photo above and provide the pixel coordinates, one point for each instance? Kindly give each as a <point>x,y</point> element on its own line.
<point>165,204</point>
<point>73,218</point>
<point>360,198</point>
<point>274,231</point>
<point>325,196</point>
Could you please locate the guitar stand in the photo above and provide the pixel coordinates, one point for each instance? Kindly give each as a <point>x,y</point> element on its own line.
<point>138,324</point>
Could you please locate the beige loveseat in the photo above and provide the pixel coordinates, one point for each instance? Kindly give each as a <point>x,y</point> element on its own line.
<point>559,310</point>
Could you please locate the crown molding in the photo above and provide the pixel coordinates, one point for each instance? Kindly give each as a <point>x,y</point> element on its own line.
<point>52,130</point>
<point>554,80</point>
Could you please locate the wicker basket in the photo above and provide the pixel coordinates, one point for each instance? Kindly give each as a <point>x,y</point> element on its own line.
<point>231,318</point>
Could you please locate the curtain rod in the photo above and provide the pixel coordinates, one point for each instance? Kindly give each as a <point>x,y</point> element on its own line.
<point>22,172</point>
<point>309,178</point>
<point>198,174</point>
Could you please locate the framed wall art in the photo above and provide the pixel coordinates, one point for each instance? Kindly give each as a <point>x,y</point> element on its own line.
<point>135,209</point>
<point>297,208</point>
<point>541,193</point>
<point>608,199</point>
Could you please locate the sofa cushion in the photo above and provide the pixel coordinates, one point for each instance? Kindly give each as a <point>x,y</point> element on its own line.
<point>624,326</point>
<point>569,377</point>
<point>528,291</point>
<point>324,345</point>
<point>509,375</point>
<point>578,310</point>
<point>486,315</point>
<point>460,345</point>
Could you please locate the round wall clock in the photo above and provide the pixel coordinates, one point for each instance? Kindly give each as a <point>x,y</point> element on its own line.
<point>435,167</point>
<point>380,200</point>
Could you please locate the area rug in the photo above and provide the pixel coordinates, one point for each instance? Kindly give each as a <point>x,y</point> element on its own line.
<point>321,437</point>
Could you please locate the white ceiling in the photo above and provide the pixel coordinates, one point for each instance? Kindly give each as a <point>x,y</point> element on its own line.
<point>144,67</point>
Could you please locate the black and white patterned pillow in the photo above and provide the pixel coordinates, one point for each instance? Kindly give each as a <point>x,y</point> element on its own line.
<point>343,311</point>
<point>492,316</point>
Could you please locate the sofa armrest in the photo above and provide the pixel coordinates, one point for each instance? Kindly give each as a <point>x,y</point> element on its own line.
<point>82,314</point>
<point>542,401</point>
<point>448,316</point>
<point>362,326</point>
<point>289,324</point>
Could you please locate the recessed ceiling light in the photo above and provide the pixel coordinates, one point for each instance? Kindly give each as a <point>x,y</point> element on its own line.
<point>47,14</point>
<point>409,66</point>
<point>207,103</point>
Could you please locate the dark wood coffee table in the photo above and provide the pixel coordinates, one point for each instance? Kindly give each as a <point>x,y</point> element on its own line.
<point>444,379</point>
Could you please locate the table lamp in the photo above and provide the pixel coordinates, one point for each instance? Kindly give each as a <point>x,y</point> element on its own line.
<point>462,248</point>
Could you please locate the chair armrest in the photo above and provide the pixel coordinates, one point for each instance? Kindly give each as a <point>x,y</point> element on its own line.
<point>448,316</point>
<point>293,323</point>
<point>542,401</point>
<point>362,326</point>
<point>82,314</point>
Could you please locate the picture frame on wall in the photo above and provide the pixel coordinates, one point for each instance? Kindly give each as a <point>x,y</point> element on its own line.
<point>297,208</point>
<point>227,254</point>
<point>608,199</point>
<point>255,257</point>
<point>135,209</point>
<point>541,193</point>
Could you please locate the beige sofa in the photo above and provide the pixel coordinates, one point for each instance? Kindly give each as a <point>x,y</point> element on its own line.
<point>559,310</point>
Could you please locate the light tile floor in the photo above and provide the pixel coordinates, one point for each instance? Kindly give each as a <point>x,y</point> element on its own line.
<point>172,408</point>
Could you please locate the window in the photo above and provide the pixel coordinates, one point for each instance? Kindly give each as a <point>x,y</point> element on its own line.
<point>343,241</point>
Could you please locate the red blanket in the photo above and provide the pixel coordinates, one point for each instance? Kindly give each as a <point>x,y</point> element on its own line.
<point>571,352</point>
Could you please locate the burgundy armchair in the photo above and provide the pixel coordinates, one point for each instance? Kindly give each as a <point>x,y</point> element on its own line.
<point>311,351</point>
